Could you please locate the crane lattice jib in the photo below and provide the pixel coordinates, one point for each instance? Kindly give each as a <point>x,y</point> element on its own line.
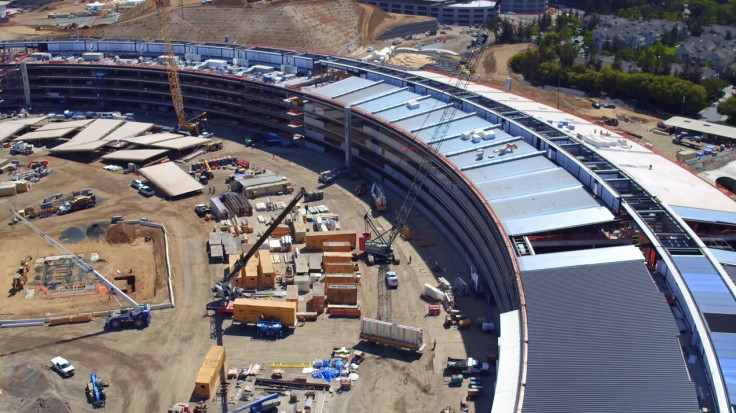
<point>464,74</point>
<point>79,262</point>
<point>172,69</point>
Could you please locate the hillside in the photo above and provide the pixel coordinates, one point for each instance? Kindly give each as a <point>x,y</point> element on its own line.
<point>331,26</point>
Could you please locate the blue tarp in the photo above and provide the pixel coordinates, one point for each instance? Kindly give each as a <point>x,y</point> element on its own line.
<point>326,374</point>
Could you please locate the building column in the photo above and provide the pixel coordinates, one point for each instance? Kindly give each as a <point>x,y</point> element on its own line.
<point>348,136</point>
<point>26,85</point>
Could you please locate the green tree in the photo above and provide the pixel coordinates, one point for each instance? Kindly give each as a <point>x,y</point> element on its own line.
<point>714,88</point>
<point>728,108</point>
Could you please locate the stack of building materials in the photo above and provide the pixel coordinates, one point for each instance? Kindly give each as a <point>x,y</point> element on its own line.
<point>7,189</point>
<point>315,263</point>
<point>237,204</point>
<point>248,278</point>
<point>331,259</point>
<point>266,272</point>
<point>211,372</point>
<point>292,293</point>
<point>281,230</point>
<point>299,231</point>
<point>301,265</point>
<point>286,243</point>
<point>303,282</point>
<point>316,240</point>
<point>318,298</point>
<point>215,246</point>
<point>231,245</point>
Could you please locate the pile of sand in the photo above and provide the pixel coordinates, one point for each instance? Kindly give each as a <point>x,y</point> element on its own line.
<point>47,405</point>
<point>120,234</point>
<point>411,60</point>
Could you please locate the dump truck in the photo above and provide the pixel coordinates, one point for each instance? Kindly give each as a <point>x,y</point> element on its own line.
<point>392,334</point>
<point>466,366</point>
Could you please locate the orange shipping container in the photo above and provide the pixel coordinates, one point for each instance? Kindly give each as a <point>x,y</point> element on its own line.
<point>342,294</point>
<point>208,379</point>
<point>248,310</point>
<point>341,257</point>
<point>336,246</point>
<point>341,279</point>
<point>314,240</point>
<point>337,267</point>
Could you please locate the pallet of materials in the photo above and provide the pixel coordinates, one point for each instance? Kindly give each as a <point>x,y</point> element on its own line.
<point>315,240</point>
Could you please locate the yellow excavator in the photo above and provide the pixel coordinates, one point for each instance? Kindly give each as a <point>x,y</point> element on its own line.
<point>20,281</point>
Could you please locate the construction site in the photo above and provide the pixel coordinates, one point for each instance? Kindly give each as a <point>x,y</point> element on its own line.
<point>205,227</point>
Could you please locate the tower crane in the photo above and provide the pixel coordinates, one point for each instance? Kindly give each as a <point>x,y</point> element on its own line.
<point>137,316</point>
<point>381,246</point>
<point>172,72</point>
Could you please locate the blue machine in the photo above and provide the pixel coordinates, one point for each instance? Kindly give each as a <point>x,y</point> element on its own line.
<point>95,394</point>
<point>259,405</point>
<point>271,328</point>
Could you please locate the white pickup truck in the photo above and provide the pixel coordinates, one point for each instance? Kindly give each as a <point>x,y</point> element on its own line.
<point>62,366</point>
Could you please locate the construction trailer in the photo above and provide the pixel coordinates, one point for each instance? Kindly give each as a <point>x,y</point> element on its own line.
<point>342,294</point>
<point>338,267</point>
<point>392,334</point>
<point>211,373</point>
<point>347,278</point>
<point>316,240</point>
<point>337,257</point>
<point>336,247</point>
<point>250,311</point>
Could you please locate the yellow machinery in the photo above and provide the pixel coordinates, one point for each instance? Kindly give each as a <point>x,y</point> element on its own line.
<point>172,71</point>
<point>20,281</point>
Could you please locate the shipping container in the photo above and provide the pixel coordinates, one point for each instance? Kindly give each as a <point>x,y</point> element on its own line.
<point>433,293</point>
<point>7,189</point>
<point>340,279</point>
<point>248,310</point>
<point>342,294</point>
<point>336,246</point>
<point>314,240</point>
<point>211,372</point>
<point>338,257</point>
<point>338,267</point>
<point>392,334</point>
<point>266,273</point>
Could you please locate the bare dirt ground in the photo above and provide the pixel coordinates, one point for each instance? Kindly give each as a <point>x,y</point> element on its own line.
<point>118,259</point>
<point>152,368</point>
<point>295,24</point>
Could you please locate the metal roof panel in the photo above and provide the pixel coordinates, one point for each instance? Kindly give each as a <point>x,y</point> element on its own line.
<point>505,169</point>
<point>705,215</point>
<point>538,181</point>
<point>359,95</point>
<point>542,203</point>
<point>548,222</point>
<point>344,86</point>
<point>602,339</point>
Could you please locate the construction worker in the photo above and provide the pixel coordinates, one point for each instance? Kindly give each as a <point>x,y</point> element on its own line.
<point>410,259</point>
<point>434,344</point>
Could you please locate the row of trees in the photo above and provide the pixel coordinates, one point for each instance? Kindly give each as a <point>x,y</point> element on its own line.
<point>668,92</point>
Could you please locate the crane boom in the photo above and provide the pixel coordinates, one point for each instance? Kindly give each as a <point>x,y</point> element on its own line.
<point>172,69</point>
<point>381,245</point>
<point>79,262</point>
<point>223,288</point>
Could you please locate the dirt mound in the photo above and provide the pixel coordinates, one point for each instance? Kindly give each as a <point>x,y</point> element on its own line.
<point>47,405</point>
<point>120,234</point>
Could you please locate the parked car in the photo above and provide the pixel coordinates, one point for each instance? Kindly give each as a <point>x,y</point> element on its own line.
<point>62,366</point>
<point>596,105</point>
<point>391,279</point>
<point>136,184</point>
<point>609,106</point>
<point>146,191</point>
<point>369,49</point>
<point>206,135</point>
